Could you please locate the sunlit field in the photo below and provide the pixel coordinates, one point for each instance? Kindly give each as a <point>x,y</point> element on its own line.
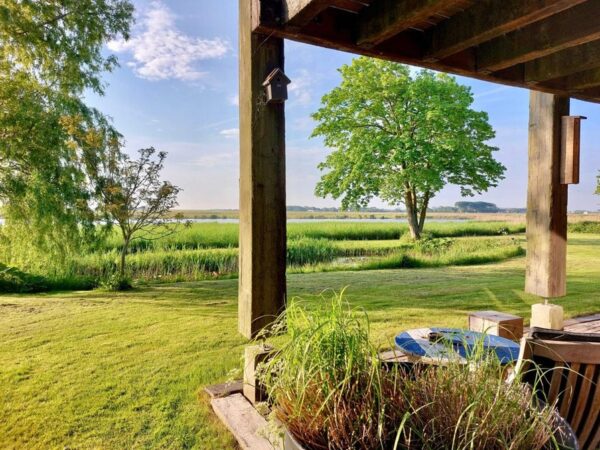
<point>114,371</point>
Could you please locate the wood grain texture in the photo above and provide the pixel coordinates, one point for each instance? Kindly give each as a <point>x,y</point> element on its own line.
<point>561,31</point>
<point>570,150</point>
<point>572,374</point>
<point>488,19</point>
<point>262,285</point>
<point>546,198</point>
<point>244,422</point>
<point>387,18</point>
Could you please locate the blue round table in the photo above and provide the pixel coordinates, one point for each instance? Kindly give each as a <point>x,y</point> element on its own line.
<point>451,344</point>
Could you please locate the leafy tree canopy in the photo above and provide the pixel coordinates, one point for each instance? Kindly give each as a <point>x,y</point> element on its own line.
<point>402,138</point>
<point>52,145</point>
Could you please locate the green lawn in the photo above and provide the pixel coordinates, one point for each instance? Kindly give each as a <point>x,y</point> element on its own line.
<point>117,371</point>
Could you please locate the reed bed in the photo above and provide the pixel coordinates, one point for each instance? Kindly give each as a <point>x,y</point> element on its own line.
<point>225,235</point>
<point>303,255</point>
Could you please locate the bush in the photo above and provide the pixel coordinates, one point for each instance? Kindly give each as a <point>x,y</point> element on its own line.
<point>117,283</point>
<point>13,280</point>
<point>585,227</point>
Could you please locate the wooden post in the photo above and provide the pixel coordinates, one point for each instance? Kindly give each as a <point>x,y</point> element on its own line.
<point>546,198</point>
<point>262,284</point>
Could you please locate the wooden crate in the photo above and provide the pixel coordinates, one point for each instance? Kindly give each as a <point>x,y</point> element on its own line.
<point>497,324</point>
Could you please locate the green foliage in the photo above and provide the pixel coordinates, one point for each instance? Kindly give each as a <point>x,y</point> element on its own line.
<point>51,143</point>
<point>585,227</point>
<point>136,200</point>
<point>14,280</point>
<point>402,138</point>
<point>116,283</point>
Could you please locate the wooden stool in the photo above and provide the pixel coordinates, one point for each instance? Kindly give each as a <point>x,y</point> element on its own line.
<point>497,323</point>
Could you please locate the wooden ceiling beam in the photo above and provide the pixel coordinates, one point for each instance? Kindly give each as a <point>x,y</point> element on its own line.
<point>486,20</point>
<point>567,29</point>
<point>578,82</point>
<point>299,13</point>
<point>387,18</point>
<point>564,63</point>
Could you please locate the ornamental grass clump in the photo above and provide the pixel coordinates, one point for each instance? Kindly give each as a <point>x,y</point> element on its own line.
<point>472,406</point>
<point>326,383</point>
<point>329,389</point>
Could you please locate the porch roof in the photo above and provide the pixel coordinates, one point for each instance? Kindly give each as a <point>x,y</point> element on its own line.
<point>547,45</point>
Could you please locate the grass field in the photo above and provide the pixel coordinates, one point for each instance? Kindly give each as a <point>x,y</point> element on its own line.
<point>96,370</point>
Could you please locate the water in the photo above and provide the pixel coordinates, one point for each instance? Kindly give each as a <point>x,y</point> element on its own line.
<point>330,220</point>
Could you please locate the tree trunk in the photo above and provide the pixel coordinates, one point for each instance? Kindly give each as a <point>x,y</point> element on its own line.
<point>423,212</point>
<point>123,255</point>
<point>413,220</point>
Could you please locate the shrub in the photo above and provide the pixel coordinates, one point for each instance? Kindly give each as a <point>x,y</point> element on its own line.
<point>13,280</point>
<point>117,283</point>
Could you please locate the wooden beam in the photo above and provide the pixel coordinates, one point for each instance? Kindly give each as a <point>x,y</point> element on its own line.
<point>579,81</point>
<point>563,63</point>
<point>486,20</point>
<point>299,13</point>
<point>567,29</point>
<point>546,198</point>
<point>387,18</point>
<point>262,263</point>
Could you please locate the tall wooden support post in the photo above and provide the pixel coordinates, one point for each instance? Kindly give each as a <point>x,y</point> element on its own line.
<point>546,198</point>
<point>262,285</point>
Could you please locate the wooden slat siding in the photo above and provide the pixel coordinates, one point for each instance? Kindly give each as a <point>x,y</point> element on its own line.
<point>387,18</point>
<point>567,29</point>
<point>262,285</point>
<point>587,386</point>
<point>561,64</point>
<point>546,198</point>
<point>488,19</point>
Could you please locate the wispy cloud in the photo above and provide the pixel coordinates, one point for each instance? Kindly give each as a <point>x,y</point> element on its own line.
<point>230,133</point>
<point>301,88</point>
<point>234,100</point>
<point>160,51</point>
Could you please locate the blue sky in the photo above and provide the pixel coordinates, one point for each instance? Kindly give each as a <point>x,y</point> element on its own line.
<point>177,90</point>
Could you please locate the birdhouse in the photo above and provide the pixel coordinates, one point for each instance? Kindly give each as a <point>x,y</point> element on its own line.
<point>570,151</point>
<point>276,86</point>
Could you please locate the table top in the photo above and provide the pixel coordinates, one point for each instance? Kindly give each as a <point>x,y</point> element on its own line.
<point>453,344</point>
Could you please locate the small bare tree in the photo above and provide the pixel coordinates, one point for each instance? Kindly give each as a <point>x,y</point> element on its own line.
<point>136,200</point>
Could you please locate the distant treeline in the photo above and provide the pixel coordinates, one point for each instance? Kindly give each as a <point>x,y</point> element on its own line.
<point>461,207</point>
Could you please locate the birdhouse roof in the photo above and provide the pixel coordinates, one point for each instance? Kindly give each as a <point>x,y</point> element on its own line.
<point>275,73</point>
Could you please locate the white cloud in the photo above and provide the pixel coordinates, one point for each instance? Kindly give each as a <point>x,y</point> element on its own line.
<point>300,88</point>
<point>230,133</point>
<point>160,51</point>
<point>234,100</point>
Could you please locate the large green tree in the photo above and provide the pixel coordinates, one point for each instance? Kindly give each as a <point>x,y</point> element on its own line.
<point>52,144</point>
<point>402,137</point>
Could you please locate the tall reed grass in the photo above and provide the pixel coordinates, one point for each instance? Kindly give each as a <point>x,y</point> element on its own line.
<point>225,235</point>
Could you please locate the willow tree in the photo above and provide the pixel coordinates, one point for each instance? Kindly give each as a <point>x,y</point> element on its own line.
<point>401,138</point>
<point>51,142</point>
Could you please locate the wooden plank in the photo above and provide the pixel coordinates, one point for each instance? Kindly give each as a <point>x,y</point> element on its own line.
<point>387,18</point>
<point>244,422</point>
<point>546,198</point>
<point>584,396</point>
<point>488,19</point>
<point>567,29</point>
<point>262,285</point>
<point>224,389</point>
<point>299,13</point>
<point>581,81</point>
<point>561,64</point>
<point>496,323</point>
<point>570,149</point>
